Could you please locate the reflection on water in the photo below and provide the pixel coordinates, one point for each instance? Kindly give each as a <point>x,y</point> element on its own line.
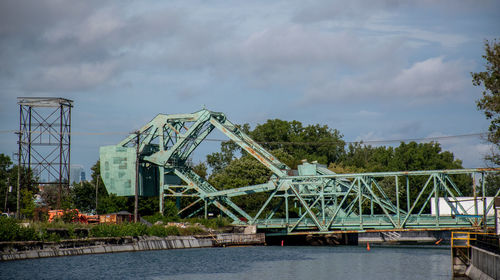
<point>342,262</point>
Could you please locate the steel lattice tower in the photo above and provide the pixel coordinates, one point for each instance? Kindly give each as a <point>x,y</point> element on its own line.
<point>45,139</point>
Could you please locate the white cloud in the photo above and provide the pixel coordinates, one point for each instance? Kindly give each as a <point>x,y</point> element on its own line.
<point>370,136</point>
<point>430,80</point>
<point>471,149</point>
<point>368,114</point>
<point>97,25</point>
<point>417,35</point>
<point>72,77</point>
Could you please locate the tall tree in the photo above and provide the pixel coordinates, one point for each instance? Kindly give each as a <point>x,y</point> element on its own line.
<point>490,100</point>
<point>312,142</point>
<point>405,157</point>
<point>490,105</point>
<point>5,182</point>
<point>219,160</point>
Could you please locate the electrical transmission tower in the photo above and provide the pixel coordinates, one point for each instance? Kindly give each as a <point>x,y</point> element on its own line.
<point>45,141</point>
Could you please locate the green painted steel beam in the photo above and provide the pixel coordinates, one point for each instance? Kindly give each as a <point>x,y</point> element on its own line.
<point>401,173</point>
<point>269,186</point>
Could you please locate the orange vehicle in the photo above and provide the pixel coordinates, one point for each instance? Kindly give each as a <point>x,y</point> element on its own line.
<point>92,219</point>
<point>78,217</point>
<point>53,214</point>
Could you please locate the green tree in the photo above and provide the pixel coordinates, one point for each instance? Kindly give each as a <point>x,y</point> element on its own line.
<point>490,100</point>
<point>28,204</point>
<point>406,157</point>
<point>111,204</point>
<point>312,142</point>
<point>490,105</point>
<point>147,205</point>
<point>422,156</point>
<point>8,177</point>
<point>5,166</point>
<point>50,193</point>
<point>241,172</point>
<point>83,195</point>
<point>365,158</point>
<point>201,170</point>
<point>246,171</point>
<point>219,160</point>
<point>96,174</point>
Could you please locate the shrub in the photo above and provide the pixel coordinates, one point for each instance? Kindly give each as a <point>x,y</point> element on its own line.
<point>191,231</point>
<point>133,229</point>
<point>9,229</point>
<point>126,229</point>
<point>155,218</point>
<point>211,223</point>
<point>27,234</point>
<point>105,230</point>
<point>172,230</point>
<point>157,230</point>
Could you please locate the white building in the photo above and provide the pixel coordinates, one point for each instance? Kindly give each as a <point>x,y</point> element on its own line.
<point>449,206</point>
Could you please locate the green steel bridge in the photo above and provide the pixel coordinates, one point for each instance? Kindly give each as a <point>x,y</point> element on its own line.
<point>312,200</point>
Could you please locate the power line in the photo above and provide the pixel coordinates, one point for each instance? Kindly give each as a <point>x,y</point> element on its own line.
<point>421,139</point>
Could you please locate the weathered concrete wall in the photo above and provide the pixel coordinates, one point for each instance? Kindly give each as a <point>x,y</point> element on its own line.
<point>404,237</point>
<point>484,265</point>
<point>228,239</point>
<point>34,249</point>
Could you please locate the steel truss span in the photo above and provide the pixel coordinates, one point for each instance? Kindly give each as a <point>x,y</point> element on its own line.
<point>315,201</point>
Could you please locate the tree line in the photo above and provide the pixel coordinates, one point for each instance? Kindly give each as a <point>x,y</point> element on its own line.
<point>290,141</point>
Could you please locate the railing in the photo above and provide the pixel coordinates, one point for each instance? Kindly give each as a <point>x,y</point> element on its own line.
<point>464,239</point>
<point>461,241</point>
<point>489,242</point>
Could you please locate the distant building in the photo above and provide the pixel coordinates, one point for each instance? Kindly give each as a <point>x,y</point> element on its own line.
<point>82,176</point>
<point>75,173</point>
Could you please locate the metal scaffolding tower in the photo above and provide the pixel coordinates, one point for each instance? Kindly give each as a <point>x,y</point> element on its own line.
<point>45,140</point>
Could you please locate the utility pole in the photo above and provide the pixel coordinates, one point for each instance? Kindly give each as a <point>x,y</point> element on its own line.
<point>475,197</point>
<point>136,202</point>
<point>18,202</point>
<point>96,192</point>
<point>6,194</point>
<point>483,190</point>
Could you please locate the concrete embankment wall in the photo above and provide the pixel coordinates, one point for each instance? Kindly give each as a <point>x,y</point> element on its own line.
<point>484,265</point>
<point>405,237</point>
<point>34,249</point>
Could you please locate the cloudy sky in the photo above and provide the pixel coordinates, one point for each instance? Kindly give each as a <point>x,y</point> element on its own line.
<point>375,70</point>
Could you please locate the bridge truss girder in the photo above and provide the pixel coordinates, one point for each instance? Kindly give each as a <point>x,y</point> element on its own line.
<point>365,188</point>
<point>327,201</point>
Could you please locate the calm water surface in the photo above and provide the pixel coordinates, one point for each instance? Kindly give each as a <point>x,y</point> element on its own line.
<point>252,263</point>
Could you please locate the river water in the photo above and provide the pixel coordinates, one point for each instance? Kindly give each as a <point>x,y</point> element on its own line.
<point>252,263</point>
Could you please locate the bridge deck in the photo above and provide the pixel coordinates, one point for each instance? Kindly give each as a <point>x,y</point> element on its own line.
<point>369,223</point>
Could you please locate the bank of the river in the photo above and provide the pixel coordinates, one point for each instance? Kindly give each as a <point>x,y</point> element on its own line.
<point>37,249</point>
